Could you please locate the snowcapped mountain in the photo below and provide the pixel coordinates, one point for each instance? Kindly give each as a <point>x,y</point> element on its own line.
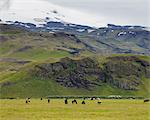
<point>40,12</point>
<point>41,15</point>
<point>44,14</point>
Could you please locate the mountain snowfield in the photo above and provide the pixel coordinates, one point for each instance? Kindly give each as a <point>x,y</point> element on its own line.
<point>40,12</point>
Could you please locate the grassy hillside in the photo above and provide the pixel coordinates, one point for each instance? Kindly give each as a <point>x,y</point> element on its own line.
<point>20,87</point>
<point>21,51</point>
<point>24,83</point>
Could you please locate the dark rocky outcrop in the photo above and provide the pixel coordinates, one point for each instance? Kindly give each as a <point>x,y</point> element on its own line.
<point>72,73</point>
<point>124,72</point>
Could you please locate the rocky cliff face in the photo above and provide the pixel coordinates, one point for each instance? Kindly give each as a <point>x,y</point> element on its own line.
<point>72,73</point>
<point>123,72</point>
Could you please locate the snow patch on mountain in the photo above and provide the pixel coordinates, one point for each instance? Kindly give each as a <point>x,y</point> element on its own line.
<point>122,33</point>
<point>80,30</point>
<point>90,30</point>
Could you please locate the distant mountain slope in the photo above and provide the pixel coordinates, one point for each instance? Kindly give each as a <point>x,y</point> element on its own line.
<point>107,40</point>
<point>26,15</point>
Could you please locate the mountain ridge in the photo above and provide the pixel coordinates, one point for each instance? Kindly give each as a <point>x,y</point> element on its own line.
<point>111,39</point>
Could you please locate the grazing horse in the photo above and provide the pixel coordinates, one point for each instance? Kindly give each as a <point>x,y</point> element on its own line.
<point>41,98</point>
<point>83,102</point>
<point>99,102</point>
<point>27,101</point>
<point>74,101</point>
<point>48,100</point>
<point>147,100</point>
<point>66,101</point>
<point>93,98</point>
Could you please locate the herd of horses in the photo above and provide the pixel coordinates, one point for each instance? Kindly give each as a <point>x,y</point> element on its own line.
<point>75,101</point>
<point>65,101</point>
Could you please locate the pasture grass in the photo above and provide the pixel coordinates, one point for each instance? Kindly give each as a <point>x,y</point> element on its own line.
<point>57,110</point>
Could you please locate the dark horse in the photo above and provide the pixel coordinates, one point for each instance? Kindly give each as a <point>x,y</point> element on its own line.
<point>99,102</point>
<point>83,102</point>
<point>66,101</point>
<point>147,100</point>
<point>74,101</point>
<point>27,101</point>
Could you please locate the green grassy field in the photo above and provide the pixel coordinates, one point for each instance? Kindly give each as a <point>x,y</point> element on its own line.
<point>57,110</point>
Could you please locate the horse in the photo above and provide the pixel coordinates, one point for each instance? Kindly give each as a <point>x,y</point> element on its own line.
<point>27,101</point>
<point>99,102</point>
<point>146,100</point>
<point>66,101</point>
<point>83,102</point>
<point>74,101</point>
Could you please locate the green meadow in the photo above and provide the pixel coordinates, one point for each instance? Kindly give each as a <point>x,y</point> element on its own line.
<point>38,109</point>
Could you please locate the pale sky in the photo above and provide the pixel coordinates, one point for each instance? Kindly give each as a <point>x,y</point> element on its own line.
<point>135,12</point>
<point>121,12</point>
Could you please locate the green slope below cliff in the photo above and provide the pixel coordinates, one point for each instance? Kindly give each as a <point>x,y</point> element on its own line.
<point>102,76</point>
